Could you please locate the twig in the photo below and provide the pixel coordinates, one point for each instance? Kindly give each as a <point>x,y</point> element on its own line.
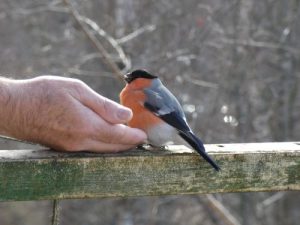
<point>136,33</point>
<point>260,44</point>
<point>126,61</point>
<point>270,200</point>
<point>82,21</point>
<point>84,59</point>
<point>112,65</point>
<point>79,72</point>
<point>55,212</point>
<point>51,6</point>
<point>218,207</point>
<point>76,69</point>
<point>202,83</point>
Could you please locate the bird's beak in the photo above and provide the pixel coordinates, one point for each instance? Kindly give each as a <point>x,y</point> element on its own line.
<point>127,78</point>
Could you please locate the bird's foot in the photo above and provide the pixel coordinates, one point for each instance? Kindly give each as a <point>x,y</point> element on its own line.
<point>150,147</point>
<point>143,146</point>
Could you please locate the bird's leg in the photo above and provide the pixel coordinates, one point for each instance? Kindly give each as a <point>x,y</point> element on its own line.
<point>156,148</point>
<point>163,147</point>
<point>150,147</point>
<point>142,146</point>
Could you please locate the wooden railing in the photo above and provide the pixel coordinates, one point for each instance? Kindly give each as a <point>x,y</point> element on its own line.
<point>46,174</point>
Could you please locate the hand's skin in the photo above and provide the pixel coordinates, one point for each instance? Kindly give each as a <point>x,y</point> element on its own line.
<point>64,114</point>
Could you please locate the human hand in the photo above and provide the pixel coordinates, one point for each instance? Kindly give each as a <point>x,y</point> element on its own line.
<point>66,114</point>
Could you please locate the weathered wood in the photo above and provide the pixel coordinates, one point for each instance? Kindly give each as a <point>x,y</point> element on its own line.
<point>45,174</point>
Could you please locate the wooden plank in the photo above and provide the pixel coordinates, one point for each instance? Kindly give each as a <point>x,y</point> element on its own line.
<point>45,174</point>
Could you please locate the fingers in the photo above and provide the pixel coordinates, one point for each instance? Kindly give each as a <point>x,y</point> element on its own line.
<point>106,132</point>
<point>120,134</point>
<point>109,110</point>
<point>114,138</point>
<point>99,147</point>
<point>110,141</point>
<point>97,135</point>
<point>110,135</point>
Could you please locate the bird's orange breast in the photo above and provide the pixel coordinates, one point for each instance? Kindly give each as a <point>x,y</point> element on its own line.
<point>133,97</point>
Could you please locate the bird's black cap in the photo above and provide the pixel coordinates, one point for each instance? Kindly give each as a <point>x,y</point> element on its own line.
<point>138,74</point>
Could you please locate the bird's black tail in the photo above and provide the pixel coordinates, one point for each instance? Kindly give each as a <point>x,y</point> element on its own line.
<point>197,144</point>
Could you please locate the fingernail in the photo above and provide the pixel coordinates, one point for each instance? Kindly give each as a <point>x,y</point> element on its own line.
<point>124,114</point>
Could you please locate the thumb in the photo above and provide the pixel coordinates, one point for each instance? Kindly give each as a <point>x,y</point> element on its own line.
<point>109,110</point>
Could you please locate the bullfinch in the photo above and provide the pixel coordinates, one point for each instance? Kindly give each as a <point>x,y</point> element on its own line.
<point>157,111</point>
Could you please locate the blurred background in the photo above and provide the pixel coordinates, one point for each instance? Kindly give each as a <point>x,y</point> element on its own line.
<point>233,64</point>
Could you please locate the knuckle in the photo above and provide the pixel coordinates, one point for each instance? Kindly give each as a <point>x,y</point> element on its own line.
<point>106,106</point>
<point>78,83</point>
<point>110,110</point>
<point>77,88</point>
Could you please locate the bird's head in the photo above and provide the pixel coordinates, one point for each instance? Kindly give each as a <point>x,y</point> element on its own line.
<point>129,77</point>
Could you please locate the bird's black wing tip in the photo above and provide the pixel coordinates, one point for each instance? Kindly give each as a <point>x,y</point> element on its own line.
<point>217,168</point>
<point>214,165</point>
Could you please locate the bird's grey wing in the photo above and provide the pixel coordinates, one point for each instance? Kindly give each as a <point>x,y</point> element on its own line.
<point>164,104</point>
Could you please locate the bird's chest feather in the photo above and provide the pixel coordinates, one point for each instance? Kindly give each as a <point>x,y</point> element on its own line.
<point>159,133</point>
<point>142,118</point>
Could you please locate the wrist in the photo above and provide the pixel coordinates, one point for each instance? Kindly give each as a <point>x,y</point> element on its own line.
<point>10,111</point>
<point>4,92</point>
<point>6,107</point>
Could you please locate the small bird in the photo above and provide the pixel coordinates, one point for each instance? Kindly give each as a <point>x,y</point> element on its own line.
<point>157,111</point>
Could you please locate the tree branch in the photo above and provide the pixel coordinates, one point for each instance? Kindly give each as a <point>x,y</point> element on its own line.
<point>78,18</point>
<point>219,208</point>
